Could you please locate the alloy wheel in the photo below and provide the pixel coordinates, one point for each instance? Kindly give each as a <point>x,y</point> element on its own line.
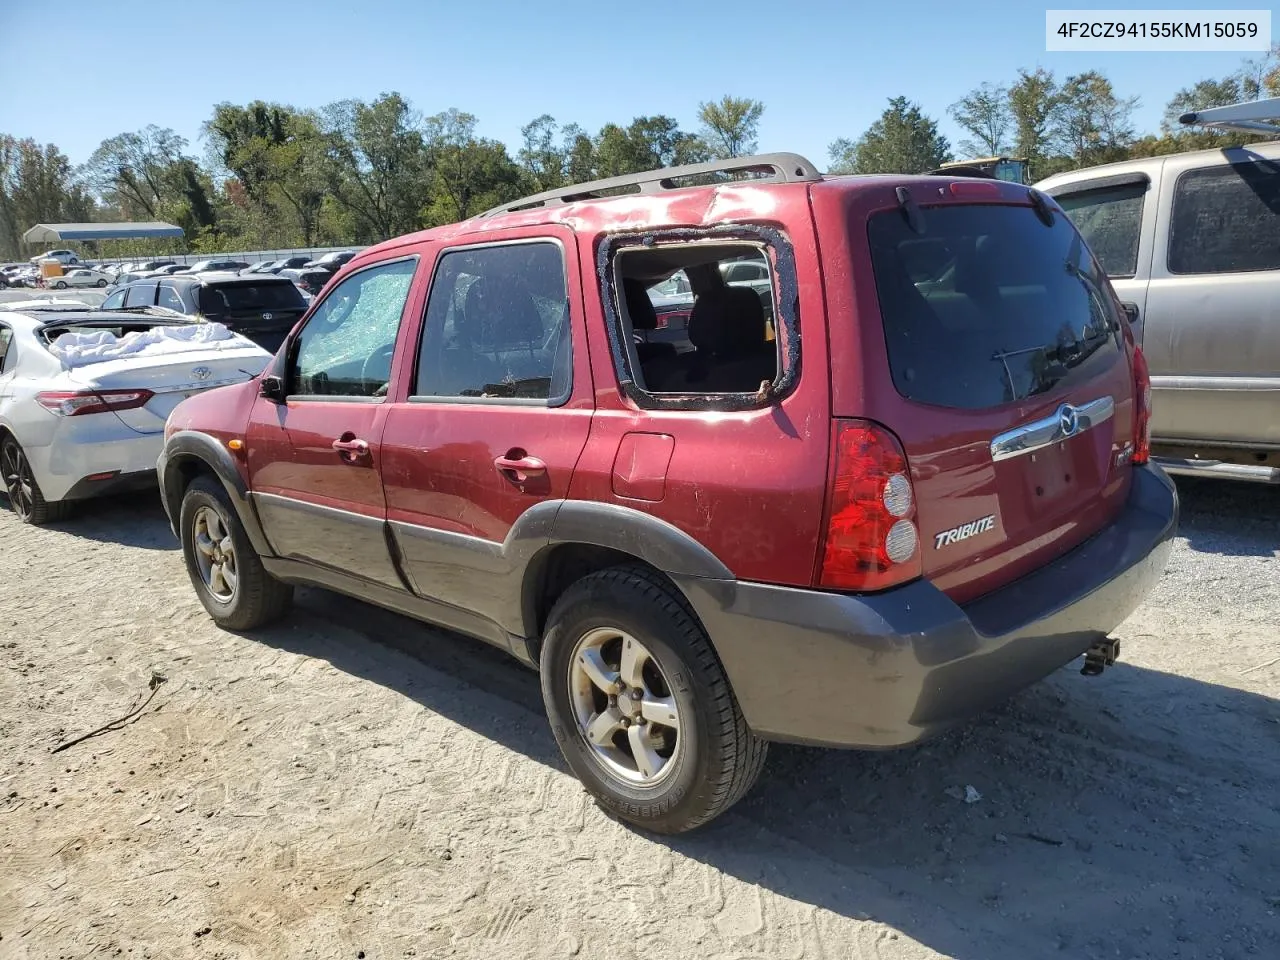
<point>215,554</point>
<point>18,481</point>
<point>623,706</point>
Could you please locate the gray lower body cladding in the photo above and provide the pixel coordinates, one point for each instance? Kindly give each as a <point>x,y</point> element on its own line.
<point>889,669</point>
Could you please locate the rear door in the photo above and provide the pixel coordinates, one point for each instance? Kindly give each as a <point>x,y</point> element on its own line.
<point>315,460</point>
<point>1008,382</point>
<point>1215,295</point>
<point>497,414</point>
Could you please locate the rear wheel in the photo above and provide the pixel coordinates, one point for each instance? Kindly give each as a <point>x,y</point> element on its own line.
<point>640,705</point>
<point>226,572</point>
<point>25,498</point>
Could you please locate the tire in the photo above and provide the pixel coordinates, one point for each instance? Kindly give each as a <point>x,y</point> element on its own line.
<point>25,498</point>
<point>715,759</point>
<point>255,598</point>
<point>101,283</point>
<point>60,285</point>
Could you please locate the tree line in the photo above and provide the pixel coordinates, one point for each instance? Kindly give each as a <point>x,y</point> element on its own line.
<point>356,172</point>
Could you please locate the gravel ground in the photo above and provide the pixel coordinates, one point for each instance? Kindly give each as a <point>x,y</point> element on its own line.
<point>352,784</point>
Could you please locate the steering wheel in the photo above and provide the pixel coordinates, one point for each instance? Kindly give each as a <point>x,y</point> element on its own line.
<point>383,357</point>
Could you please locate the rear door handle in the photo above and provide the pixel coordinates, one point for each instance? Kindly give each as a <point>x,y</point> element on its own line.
<point>1130,310</point>
<point>520,469</point>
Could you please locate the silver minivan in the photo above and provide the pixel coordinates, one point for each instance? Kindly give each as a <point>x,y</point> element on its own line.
<point>1192,245</point>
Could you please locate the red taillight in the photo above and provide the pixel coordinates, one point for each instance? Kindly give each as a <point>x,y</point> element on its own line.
<point>1142,408</point>
<point>871,538</point>
<point>76,403</point>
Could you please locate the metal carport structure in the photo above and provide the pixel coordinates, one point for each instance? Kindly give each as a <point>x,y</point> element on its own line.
<point>62,232</point>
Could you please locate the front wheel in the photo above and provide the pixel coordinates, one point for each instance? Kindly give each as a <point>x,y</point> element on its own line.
<point>60,285</point>
<point>101,283</point>
<point>225,570</point>
<point>640,705</point>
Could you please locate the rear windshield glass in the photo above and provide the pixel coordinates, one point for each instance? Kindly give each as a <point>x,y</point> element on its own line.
<point>250,296</point>
<point>988,305</point>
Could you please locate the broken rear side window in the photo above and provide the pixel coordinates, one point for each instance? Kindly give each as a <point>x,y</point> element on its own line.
<point>697,319</point>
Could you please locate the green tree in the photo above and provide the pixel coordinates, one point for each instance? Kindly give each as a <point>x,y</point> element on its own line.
<point>471,173</point>
<point>1260,77</point>
<point>648,143</point>
<point>377,165</point>
<point>984,114</point>
<point>730,125</point>
<point>1093,125</point>
<point>553,155</point>
<point>280,156</point>
<point>136,171</point>
<point>37,185</point>
<point>902,140</point>
<point>1034,103</point>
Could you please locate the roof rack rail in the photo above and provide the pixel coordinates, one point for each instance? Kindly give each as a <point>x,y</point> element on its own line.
<point>1256,116</point>
<point>782,167</point>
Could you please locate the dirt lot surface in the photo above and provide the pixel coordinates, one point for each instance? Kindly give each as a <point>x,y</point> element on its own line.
<point>351,784</point>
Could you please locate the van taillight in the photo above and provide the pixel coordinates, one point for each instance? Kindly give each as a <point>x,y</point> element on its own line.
<point>1142,408</point>
<point>871,539</point>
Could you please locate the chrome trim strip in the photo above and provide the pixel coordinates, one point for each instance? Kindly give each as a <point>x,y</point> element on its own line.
<point>200,385</point>
<point>1213,468</point>
<point>1065,422</point>
<point>1241,384</point>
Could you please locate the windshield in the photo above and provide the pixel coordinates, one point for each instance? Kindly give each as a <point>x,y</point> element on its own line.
<point>250,296</point>
<point>988,305</point>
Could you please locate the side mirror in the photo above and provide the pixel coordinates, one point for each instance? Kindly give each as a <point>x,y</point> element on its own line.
<point>271,387</point>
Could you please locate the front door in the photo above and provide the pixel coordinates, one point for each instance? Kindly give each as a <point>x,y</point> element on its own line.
<point>315,460</point>
<point>496,417</point>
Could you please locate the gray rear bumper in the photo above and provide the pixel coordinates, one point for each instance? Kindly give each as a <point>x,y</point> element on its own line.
<point>888,669</point>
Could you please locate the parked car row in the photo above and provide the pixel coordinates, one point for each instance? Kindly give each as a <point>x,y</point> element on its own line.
<point>262,307</point>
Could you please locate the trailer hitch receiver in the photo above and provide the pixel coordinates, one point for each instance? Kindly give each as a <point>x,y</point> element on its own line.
<point>1101,655</point>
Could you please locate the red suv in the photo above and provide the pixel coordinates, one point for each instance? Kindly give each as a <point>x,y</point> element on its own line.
<point>919,487</point>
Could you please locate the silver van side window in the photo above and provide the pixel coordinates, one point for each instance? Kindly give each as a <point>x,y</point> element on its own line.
<point>1110,220</point>
<point>1226,219</point>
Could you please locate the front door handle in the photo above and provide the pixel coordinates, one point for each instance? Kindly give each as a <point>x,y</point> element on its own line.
<point>520,468</point>
<point>351,448</point>
<point>1130,310</point>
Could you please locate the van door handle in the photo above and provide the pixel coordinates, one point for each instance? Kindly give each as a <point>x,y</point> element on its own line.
<point>1130,310</point>
<point>519,469</point>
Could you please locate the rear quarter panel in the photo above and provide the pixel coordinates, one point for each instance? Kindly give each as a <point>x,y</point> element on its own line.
<point>749,486</point>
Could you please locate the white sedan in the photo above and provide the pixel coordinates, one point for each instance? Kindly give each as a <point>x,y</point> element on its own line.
<point>83,277</point>
<point>84,397</point>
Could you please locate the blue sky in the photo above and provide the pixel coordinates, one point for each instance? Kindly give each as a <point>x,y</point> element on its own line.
<point>75,73</point>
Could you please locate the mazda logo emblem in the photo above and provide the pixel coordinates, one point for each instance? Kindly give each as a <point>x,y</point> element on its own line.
<point>1068,420</point>
<point>202,373</point>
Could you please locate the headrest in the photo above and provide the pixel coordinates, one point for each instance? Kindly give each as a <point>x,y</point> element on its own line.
<point>496,315</point>
<point>639,306</point>
<point>727,322</point>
